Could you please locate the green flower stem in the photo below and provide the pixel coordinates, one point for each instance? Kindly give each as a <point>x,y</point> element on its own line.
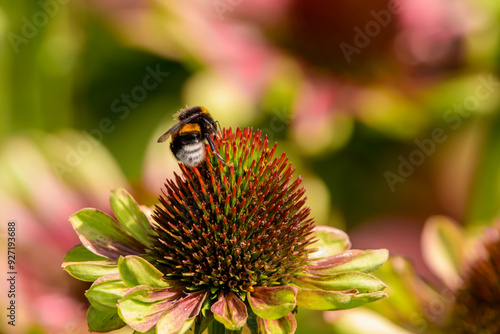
<point>217,328</point>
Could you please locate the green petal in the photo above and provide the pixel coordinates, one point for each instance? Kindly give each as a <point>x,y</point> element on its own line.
<point>272,302</point>
<point>142,306</point>
<point>335,300</point>
<point>343,281</point>
<point>81,254</point>
<point>103,236</point>
<point>284,325</point>
<point>181,315</point>
<point>106,291</point>
<point>352,260</point>
<point>329,241</point>
<point>135,271</point>
<point>443,249</point>
<point>131,217</point>
<point>84,265</point>
<point>230,311</point>
<point>102,322</point>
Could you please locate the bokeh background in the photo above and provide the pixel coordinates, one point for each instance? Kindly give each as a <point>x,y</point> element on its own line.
<point>390,110</point>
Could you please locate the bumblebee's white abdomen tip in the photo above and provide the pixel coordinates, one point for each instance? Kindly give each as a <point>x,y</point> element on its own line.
<point>192,154</point>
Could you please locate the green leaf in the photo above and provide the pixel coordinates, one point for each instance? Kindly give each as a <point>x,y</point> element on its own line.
<point>106,291</point>
<point>284,325</point>
<point>351,260</point>
<point>151,331</point>
<point>272,302</point>
<point>343,281</point>
<point>443,249</point>
<point>329,241</point>
<point>131,217</point>
<point>230,311</point>
<point>102,322</point>
<point>102,235</point>
<point>142,306</point>
<point>135,270</point>
<point>484,205</point>
<point>335,300</point>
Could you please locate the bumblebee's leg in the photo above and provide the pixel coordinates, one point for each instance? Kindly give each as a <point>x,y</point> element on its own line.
<point>212,146</point>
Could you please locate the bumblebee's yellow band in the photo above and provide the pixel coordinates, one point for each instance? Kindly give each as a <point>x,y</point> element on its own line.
<point>190,127</point>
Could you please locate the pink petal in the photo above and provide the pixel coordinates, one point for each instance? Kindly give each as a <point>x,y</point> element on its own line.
<point>230,311</point>
<point>181,314</point>
<point>335,260</point>
<point>141,307</point>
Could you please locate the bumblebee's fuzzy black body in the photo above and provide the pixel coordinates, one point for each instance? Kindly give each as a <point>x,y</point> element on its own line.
<point>189,134</point>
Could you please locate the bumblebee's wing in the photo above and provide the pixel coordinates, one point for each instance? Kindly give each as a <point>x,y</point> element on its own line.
<point>174,129</point>
<point>170,131</point>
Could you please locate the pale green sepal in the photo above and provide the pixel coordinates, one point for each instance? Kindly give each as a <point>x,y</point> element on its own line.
<point>129,214</point>
<point>364,261</point>
<point>272,302</point>
<point>335,300</point>
<point>84,265</point>
<point>106,291</point>
<point>340,282</point>
<point>329,241</point>
<point>134,271</point>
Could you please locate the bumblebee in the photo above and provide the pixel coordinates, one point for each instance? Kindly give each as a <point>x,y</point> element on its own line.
<point>189,134</point>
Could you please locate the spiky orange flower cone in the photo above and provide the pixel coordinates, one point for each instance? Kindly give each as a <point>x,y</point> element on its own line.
<point>229,244</point>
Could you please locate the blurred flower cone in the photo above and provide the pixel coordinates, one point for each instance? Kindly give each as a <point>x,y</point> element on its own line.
<point>466,301</point>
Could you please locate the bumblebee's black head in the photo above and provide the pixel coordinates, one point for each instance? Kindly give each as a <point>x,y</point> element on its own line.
<point>188,112</point>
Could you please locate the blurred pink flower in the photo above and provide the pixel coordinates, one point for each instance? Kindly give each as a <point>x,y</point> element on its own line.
<point>40,189</point>
<point>332,54</point>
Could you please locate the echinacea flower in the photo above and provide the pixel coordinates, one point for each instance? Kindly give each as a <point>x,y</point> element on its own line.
<point>477,301</point>
<point>230,244</point>
<point>465,301</point>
